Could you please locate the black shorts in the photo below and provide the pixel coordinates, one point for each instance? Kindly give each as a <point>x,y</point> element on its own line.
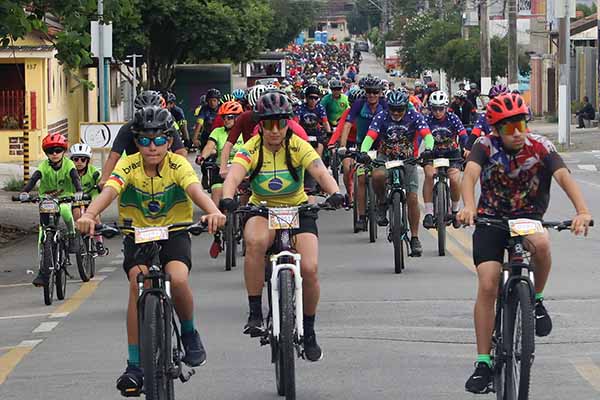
<point>177,248</point>
<point>308,223</point>
<point>454,155</point>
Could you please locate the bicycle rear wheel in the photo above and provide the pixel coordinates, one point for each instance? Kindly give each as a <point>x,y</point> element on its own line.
<point>85,261</point>
<point>519,337</point>
<point>47,268</point>
<point>153,352</point>
<point>441,211</point>
<point>397,232</point>
<point>285,365</point>
<point>372,212</point>
<point>335,166</point>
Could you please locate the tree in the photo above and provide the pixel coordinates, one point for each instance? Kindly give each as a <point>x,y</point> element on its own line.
<point>410,32</point>
<point>289,19</point>
<point>363,17</point>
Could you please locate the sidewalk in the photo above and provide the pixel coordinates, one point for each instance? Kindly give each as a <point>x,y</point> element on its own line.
<point>581,139</point>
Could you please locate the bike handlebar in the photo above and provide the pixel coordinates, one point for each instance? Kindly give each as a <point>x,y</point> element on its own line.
<point>304,208</point>
<point>110,231</point>
<point>502,223</point>
<point>35,199</point>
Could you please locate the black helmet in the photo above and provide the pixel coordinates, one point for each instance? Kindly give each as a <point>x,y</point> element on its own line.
<point>153,119</point>
<point>213,94</point>
<point>372,83</point>
<point>147,98</point>
<point>273,105</point>
<point>312,90</point>
<point>171,98</point>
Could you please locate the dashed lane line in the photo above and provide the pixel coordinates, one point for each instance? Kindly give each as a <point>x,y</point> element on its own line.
<point>45,327</point>
<point>10,360</point>
<point>108,270</point>
<point>23,316</point>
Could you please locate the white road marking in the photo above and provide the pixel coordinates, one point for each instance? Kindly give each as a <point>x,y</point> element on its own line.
<point>23,316</point>
<point>59,315</point>
<point>45,327</point>
<point>99,278</point>
<point>107,270</point>
<point>587,182</point>
<point>16,285</point>
<point>116,262</point>
<point>30,343</point>
<point>587,167</point>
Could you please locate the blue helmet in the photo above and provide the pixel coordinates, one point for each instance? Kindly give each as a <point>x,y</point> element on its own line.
<point>239,94</point>
<point>397,98</point>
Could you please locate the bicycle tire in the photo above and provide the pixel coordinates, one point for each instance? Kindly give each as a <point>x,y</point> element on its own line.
<point>286,359</point>
<point>397,232</point>
<point>152,354</point>
<point>83,258</point>
<point>441,210</point>
<point>229,239</point>
<point>519,329</point>
<point>335,166</point>
<point>47,267</point>
<point>234,247</point>
<point>355,212</point>
<point>372,212</point>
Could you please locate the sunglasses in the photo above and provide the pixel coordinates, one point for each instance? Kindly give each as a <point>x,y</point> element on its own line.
<point>438,109</point>
<point>313,97</point>
<point>372,91</point>
<point>230,117</point>
<point>54,150</point>
<point>77,159</point>
<point>269,124</point>
<point>509,128</point>
<point>400,109</point>
<point>145,141</point>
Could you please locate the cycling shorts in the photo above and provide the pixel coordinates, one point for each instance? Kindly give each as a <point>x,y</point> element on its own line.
<point>411,176</point>
<point>308,223</point>
<point>177,248</point>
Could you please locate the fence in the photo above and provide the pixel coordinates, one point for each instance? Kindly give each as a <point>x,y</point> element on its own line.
<point>12,109</point>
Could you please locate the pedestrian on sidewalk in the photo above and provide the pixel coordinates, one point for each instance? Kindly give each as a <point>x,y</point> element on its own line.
<point>587,112</point>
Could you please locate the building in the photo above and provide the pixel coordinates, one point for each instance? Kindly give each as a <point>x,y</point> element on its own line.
<point>334,19</point>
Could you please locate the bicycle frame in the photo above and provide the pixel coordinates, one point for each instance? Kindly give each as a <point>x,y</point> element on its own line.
<point>277,267</point>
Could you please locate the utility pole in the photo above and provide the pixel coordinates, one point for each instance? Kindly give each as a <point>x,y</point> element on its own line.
<point>513,70</point>
<point>134,80</point>
<point>484,44</point>
<point>101,83</point>
<point>564,61</point>
<point>598,54</point>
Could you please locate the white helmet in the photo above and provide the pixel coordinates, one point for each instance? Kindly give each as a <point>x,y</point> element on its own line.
<point>419,84</point>
<point>461,94</point>
<point>254,93</point>
<point>81,149</point>
<point>439,98</point>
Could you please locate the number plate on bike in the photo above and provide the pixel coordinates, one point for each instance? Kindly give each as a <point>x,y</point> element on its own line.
<point>393,164</point>
<point>284,218</point>
<point>441,162</point>
<point>145,235</point>
<point>49,207</point>
<point>524,226</point>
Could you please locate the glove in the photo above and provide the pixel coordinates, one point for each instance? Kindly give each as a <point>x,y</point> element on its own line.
<point>228,205</point>
<point>78,196</point>
<point>363,158</point>
<point>199,160</point>
<point>24,196</point>
<point>336,200</point>
<point>341,151</point>
<point>427,155</point>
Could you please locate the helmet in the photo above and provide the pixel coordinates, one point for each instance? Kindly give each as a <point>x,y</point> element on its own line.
<point>497,90</point>
<point>335,84</point>
<point>361,82</point>
<point>396,98</point>
<point>355,94</point>
<point>285,83</point>
<point>505,106</point>
<point>213,94</point>
<point>418,84</point>
<point>54,140</point>
<point>254,93</point>
<point>81,150</point>
<point>473,85</point>
<point>385,83</point>
<point>273,105</point>
<point>271,86</point>
<point>439,98</point>
<point>516,91</point>
<point>461,94</point>
<point>239,94</point>
<point>372,83</point>
<point>153,119</point>
<point>312,90</point>
<point>230,107</point>
<point>431,84</point>
<point>322,81</point>
<point>171,98</point>
<point>147,98</point>
<point>226,97</point>
<point>203,100</point>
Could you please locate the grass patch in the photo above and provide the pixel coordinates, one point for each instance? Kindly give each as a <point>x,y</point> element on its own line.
<point>14,185</point>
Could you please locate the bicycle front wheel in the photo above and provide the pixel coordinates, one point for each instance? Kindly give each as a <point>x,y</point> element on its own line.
<point>372,212</point>
<point>285,366</point>
<point>355,213</point>
<point>47,268</point>
<point>229,243</point>
<point>441,211</point>
<point>153,351</point>
<point>397,231</point>
<point>335,166</point>
<point>519,337</point>
<point>85,261</point>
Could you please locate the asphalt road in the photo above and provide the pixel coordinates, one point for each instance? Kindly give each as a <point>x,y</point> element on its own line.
<point>385,336</point>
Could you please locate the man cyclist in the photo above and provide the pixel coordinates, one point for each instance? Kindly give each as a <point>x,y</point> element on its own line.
<point>206,117</point>
<point>515,169</point>
<point>156,188</point>
<point>312,95</point>
<point>400,132</point>
<point>447,132</point>
<point>276,161</point>
<point>335,103</point>
<point>481,126</point>
<point>178,117</point>
<point>462,107</point>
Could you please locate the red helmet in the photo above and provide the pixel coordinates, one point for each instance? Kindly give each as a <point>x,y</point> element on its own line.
<point>54,140</point>
<point>505,106</point>
<point>230,108</point>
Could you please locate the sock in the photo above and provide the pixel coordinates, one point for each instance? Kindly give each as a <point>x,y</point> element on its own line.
<point>187,326</point>
<point>485,358</point>
<point>429,208</point>
<point>309,325</point>
<point>455,206</point>
<point>255,303</point>
<point>539,296</point>
<point>134,354</point>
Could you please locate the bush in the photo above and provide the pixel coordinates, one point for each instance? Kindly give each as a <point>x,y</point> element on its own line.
<point>14,185</point>
<point>552,119</point>
<point>347,39</point>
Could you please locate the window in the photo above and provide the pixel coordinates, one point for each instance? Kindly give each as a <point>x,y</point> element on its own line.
<point>334,25</point>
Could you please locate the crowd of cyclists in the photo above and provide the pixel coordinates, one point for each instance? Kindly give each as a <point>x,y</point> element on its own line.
<point>271,140</point>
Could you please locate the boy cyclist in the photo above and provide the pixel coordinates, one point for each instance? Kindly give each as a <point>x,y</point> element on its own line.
<point>156,188</point>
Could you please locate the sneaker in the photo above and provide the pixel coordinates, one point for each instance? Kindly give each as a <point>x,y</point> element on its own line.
<point>347,202</point>
<point>382,215</point>
<point>543,323</point>
<point>131,382</point>
<point>254,327</point>
<point>215,248</point>
<point>481,380</point>
<point>415,247</point>
<point>195,355</point>
<point>455,223</point>
<point>312,350</point>
<point>39,280</point>
<point>361,224</point>
<point>428,221</point>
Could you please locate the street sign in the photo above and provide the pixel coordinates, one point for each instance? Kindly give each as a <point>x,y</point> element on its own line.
<point>99,135</point>
<point>107,40</point>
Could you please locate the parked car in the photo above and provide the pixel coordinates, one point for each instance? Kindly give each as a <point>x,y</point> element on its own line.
<point>362,46</point>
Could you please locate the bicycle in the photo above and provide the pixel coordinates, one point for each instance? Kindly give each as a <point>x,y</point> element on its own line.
<point>160,338</point>
<point>371,203</point>
<point>87,252</point>
<point>513,339</point>
<point>284,323</point>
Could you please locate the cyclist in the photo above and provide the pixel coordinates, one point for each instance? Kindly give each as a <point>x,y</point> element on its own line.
<point>156,188</point>
<point>58,177</point>
<point>335,103</point>
<point>206,117</point>
<point>276,161</point>
<point>229,111</point>
<point>515,169</point>
<point>178,117</point>
<point>473,94</point>
<point>312,94</point>
<point>462,107</point>
<point>401,132</point>
<point>446,130</point>
<point>239,95</point>
<point>481,127</point>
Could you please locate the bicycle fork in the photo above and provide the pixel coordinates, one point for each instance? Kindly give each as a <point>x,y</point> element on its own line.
<point>295,268</point>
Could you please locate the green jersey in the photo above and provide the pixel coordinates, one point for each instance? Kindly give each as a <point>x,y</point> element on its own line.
<point>219,136</point>
<point>335,107</point>
<point>57,180</point>
<point>89,181</point>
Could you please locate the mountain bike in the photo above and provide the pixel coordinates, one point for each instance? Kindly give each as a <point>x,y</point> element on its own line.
<point>370,200</point>
<point>87,251</point>
<point>160,339</point>
<point>513,339</point>
<point>284,323</point>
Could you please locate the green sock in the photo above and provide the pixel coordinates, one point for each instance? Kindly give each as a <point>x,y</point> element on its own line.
<point>187,326</point>
<point>539,296</point>
<point>485,358</point>
<point>134,354</point>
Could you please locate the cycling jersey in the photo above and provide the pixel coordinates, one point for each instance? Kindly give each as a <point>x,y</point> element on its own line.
<point>518,184</point>
<point>338,130</point>
<point>481,127</point>
<point>334,107</point>
<point>244,125</point>
<point>89,181</point>
<point>206,117</point>
<point>274,183</point>
<point>178,115</point>
<point>153,201</point>
<point>56,180</point>
<point>446,131</point>
<point>398,138</point>
<point>362,115</point>
<point>219,136</point>
<point>464,111</point>
<point>319,111</point>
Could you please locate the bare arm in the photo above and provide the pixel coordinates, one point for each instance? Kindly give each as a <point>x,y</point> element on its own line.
<point>226,150</point>
<point>327,127</point>
<point>236,175</point>
<point>319,172</point>
<point>469,180</point>
<point>209,150</point>
<point>345,133</point>
<point>108,167</point>
<point>86,223</point>
<point>213,217</point>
